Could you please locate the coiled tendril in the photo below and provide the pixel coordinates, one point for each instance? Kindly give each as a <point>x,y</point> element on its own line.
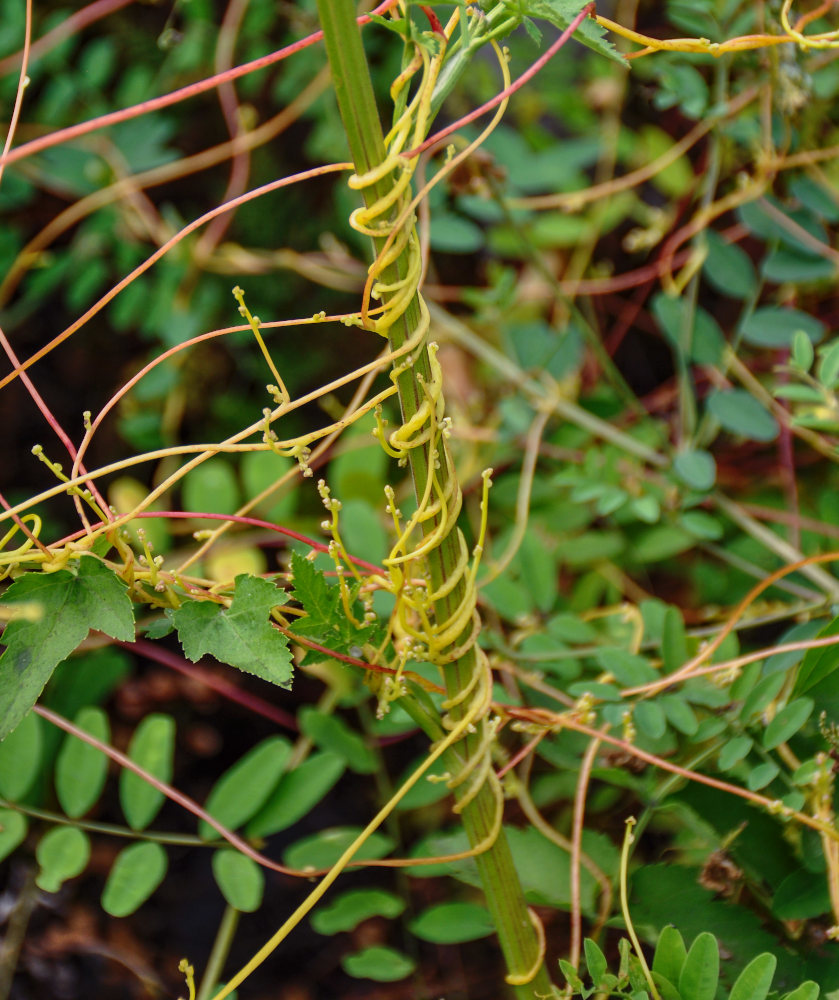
<point>422,626</point>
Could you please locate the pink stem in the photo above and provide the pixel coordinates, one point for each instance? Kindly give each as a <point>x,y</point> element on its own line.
<point>546,56</point>
<point>51,420</point>
<point>253,522</point>
<point>166,100</point>
<point>256,704</point>
<point>164,249</point>
<point>168,790</point>
<point>81,19</point>
<point>240,162</point>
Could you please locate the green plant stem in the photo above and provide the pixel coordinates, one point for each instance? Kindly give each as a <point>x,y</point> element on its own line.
<point>221,948</point>
<point>18,921</point>
<point>356,103</point>
<point>180,839</point>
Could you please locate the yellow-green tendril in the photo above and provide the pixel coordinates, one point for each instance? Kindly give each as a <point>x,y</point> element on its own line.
<point>281,394</point>
<point>337,551</point>
<point>630,927</point>
<point>415,628</point>
<point>11,559</point>
<point>72,490</point>
<point>189,973</point>
<point>523,978</point>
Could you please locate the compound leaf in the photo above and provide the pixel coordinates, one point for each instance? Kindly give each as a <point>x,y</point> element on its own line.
<point>325,621</point>
<point>561,12</point>
<point>57,611</point>
<point>240,635</point>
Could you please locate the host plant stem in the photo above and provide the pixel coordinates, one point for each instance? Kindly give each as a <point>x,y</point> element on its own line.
<point>356,103</point>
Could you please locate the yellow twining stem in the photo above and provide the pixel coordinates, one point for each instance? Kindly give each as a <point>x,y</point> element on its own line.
<point>317,894</point>
<point>417,628</point>
<point>824,40</point>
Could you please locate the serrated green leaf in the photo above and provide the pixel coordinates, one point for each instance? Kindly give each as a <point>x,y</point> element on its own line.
<point>329,732</point>
<point>80,769</point>
<point>136,873</point>
<point>240,879</point>
<point>754,981</point>
<point>787,722</point>
<point>452,923</point>
<point>244,788</point>
<point>570,974</point>
<point>384,965</point>
<point>699,975</point>
<point>325,621</point>
<point>595,961</point>
<point>240,635</point>
<point>20,758</point>
<point>561,12</point>
<point>152,747</point>
<point>740,413</point>
<point>352,908</point>
<point>670,954</point>
<point>63,853</point>
<point>65,605</point>
<point>297,793</point>
<point>13,828</point>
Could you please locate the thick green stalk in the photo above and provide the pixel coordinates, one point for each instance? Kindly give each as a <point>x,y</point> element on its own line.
<point>356,102</point>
